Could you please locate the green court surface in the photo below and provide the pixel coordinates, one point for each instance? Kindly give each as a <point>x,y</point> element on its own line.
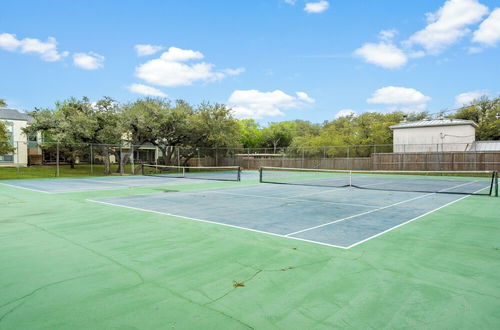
<point>69,263</point>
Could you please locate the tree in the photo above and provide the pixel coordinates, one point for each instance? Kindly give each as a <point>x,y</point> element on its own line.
<point>5,143</point>
<point>362,131</point>
<point>155,121</point>
<point>278,135</point>
<point>3,104</point>
<point>74,124</point>
<point>251,135</point>
<point>484,112</point>
<point>213,128</point>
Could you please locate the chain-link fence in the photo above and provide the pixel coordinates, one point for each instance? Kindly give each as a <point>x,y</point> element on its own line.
<point>59,159</point>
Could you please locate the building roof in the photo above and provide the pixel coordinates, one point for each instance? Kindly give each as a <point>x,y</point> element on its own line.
<point>484,146</point>
<point>14,114</point>
<point>434,122</point>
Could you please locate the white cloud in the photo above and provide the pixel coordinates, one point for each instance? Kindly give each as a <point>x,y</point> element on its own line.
<point>467,97</point>
<point>257,105</point>
<point>304,97</point>
<point>175,54</point>
<point>489,30</point>
<point>46,49</point>
<point>448,25</point>
<point>9,42</point>
<point>383,54</point>
<point>400,98</point>
<point>168,70</point>
<point>290,2</point>
<point>345,113</point>
<point>89,61</point>
<point>145,50</point>
<point>316,7</point>
<point>146,90</point>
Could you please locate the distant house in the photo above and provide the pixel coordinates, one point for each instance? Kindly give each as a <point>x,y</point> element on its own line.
<point>15,121</point>
<point>434,135</point>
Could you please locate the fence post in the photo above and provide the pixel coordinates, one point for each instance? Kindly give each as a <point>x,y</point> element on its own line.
<point>348,157</point>
<point>122,163</point>
<point>57,159</point>
<point>199,160</point>
<point>16,152</point>
<point>302,163</point>
<point>178,155</point>
<point>216,160</point>
<point>91,160</point>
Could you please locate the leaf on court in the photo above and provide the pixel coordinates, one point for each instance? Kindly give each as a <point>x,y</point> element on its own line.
<point>237,284</point>
<point>286,268</point>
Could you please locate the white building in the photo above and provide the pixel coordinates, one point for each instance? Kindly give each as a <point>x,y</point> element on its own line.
<point>15,122</point>
<point>434,135</point>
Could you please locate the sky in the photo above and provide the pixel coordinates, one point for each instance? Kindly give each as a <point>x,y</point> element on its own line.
<point>270,60</point>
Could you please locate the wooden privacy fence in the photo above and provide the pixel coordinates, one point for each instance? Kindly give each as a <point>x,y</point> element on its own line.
<point>417,161</point>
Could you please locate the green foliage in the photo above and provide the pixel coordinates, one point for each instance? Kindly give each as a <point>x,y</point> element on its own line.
<point>75,123</point>
<point>5,143</point>
<point>166,126</point>
<point>486,113</point>
<point>251,135</point>
<point>3,103</point>
<point>278,135</point>
<point>365,129</point>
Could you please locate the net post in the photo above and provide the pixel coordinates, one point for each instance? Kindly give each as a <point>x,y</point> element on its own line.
<point>183,172</point>
<point>260,174</point>
<point>496,183</point>
<point>239,173</point>
<point>350,178</point>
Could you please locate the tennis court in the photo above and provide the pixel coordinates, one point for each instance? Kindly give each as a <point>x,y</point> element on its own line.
<point>153,177</point>
<point>313,206</point>
<point>299,249</point>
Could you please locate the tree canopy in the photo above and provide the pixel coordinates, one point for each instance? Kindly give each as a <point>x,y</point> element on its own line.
<point>171,126</point>
<point>486,113</point>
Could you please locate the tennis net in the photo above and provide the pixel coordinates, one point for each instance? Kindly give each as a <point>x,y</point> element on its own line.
<point>218,173</point>
<point>468,183</point>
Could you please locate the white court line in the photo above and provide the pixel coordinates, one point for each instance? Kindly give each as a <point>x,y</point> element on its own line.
<point>274,234</point>
<point>287,199</point>
<point>20,187</point>
<point>418,217</point>
<point>371,211</point>
<point>215,222</point>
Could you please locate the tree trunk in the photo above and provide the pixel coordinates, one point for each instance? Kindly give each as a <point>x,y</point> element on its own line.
<point>72,160</point>
<point>167,154</point>
<point>107,166</point>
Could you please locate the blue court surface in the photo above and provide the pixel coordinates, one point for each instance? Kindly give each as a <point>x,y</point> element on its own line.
<point>339,217</point>
<point>67,185</point>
